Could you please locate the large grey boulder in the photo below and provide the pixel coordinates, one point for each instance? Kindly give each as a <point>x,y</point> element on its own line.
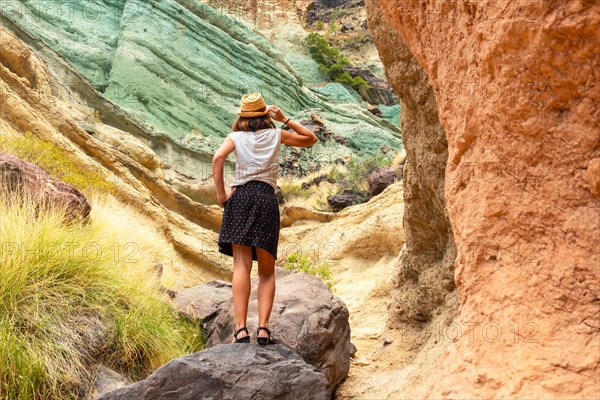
<point>306,316</point>
<point>203,302</point>
<point>231,372</point>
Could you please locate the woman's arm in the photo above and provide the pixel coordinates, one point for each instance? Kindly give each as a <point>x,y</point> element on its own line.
<point>304,137</point>
<point>218,166</point>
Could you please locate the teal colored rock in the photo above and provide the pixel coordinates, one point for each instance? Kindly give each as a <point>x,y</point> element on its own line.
<point>391,113</point>
<point>337,92</point>
<point>182,67</point>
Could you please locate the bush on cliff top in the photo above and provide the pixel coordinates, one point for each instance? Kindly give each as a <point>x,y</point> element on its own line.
<point>332,61</point>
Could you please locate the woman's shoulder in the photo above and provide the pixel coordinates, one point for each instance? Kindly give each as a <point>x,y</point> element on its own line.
<point>258,133</point>
<point>272,130</point>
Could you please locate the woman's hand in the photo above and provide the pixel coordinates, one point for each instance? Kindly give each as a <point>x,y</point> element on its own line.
<point>276,114</point>
<point>224,199</point>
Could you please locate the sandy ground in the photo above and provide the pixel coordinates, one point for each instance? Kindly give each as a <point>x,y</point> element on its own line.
<point>362,279</point>
<point>387,364</point>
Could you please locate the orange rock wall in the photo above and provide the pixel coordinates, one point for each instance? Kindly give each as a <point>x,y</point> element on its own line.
<point>518,95</point>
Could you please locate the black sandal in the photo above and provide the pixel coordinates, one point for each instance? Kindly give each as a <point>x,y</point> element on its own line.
<point>264,340</point>
<point>245,339</point>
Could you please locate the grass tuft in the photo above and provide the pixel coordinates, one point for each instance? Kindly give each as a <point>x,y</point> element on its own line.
<point>301,262</point>
<point>74,295</point>
<point>56,162</point>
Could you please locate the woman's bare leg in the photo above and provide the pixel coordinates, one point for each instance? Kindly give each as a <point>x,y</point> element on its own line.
<point>266,287</point>
<point>242,265</point>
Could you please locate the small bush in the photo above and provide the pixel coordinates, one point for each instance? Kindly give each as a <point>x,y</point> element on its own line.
<point>356,82</point>
<point>300,262</point>
<point>333,26</point>
<point>354,175</point>
<point>322,53</point>
<point>335,174</point>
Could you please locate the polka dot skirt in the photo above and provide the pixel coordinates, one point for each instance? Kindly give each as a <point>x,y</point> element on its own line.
<point>251,217</point>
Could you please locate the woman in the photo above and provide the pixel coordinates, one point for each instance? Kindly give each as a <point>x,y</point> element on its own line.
<point>250,226</point>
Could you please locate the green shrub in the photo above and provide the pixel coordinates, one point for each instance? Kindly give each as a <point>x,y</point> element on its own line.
<point>332,61</point>
<point>63,287</point>
<point>300,262</point>
<point>359,169</point>
<point>322,53</point>
<point>333,26</point>
<point>358,172</point>
<point>57,162</point>
<point>337,14</point>
<point>320,25</point>
<point>356,82</point>
<point>335,174</point>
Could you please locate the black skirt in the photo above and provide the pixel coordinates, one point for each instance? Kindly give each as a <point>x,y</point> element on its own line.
<point>251,217</point>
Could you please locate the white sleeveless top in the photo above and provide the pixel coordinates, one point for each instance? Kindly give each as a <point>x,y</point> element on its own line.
<point>256,156</point>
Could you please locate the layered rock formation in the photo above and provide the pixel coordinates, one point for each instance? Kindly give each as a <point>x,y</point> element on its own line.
<point>180,67</point>
<point>517,91</point>
<point>286,24</point>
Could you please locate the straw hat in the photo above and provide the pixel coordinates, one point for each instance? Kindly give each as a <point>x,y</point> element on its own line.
<point>252,102</point>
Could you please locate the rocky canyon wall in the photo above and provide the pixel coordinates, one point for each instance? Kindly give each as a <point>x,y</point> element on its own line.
<point>424,279</point>
<point>517,93</point>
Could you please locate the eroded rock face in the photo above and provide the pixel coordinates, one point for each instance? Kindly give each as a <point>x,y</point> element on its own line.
<point>305,316</point>
<point>379,91</point>
<point>517,90</point>
<point>424,281</point>
<point>231,372</point>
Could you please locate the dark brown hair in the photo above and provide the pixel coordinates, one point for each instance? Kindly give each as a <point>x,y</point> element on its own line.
<point>253,123</point>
